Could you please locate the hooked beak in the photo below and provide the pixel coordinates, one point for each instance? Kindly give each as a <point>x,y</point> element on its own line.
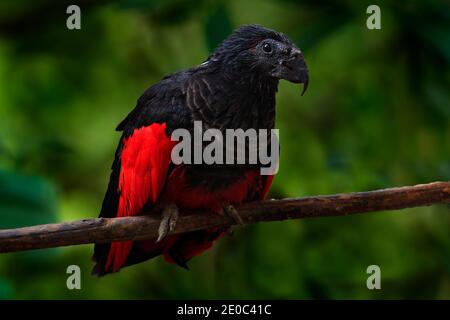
<point>293,69</point>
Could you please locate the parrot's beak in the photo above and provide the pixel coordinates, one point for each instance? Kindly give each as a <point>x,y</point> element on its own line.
<point>293,69</point>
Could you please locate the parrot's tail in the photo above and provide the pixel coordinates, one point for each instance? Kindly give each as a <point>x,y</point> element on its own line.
<point>178,249</point>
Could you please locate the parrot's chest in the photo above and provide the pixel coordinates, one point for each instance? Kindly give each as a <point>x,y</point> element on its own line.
<point>192,188</point>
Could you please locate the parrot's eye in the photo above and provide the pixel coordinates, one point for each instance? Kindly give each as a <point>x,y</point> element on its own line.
<point>267,48</point>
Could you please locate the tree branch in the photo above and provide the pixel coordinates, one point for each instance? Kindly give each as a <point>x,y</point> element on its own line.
<point>102,230</point>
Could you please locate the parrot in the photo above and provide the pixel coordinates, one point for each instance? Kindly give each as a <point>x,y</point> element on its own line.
<point>235,87</point>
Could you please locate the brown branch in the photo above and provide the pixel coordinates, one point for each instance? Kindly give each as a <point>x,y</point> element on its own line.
<point>102,230</point>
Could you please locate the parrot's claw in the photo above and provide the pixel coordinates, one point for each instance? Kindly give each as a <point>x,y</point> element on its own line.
<point>169,219</point>
<point>231,211</point>
<point>228,231</point>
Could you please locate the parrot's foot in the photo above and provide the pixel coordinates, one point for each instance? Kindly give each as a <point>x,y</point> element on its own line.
<point>231,211</point>
<point>228,231</point>
<point>169,219</point>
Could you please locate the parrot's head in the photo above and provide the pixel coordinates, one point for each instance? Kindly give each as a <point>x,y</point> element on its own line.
<point>259,51</point>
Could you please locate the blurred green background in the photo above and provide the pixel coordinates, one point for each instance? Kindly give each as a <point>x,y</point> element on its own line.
<point>377,114</point>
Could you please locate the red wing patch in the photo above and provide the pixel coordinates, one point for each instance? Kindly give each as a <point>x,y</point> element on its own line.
<point>145,160</point>
<point>267,185</point>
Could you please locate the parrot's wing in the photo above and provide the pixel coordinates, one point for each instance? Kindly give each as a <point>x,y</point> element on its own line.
<point>144,165</point>
<point>141,165</point>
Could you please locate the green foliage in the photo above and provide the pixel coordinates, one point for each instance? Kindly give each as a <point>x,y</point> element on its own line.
<point>25,200</point>
<point>217,26</point>
<point>376,114</point>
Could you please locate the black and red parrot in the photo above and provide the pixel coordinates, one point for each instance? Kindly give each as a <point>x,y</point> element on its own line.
<point>234,88</point>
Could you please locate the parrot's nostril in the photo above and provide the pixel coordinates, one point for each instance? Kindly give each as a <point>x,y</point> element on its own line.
<point>287,65</point>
